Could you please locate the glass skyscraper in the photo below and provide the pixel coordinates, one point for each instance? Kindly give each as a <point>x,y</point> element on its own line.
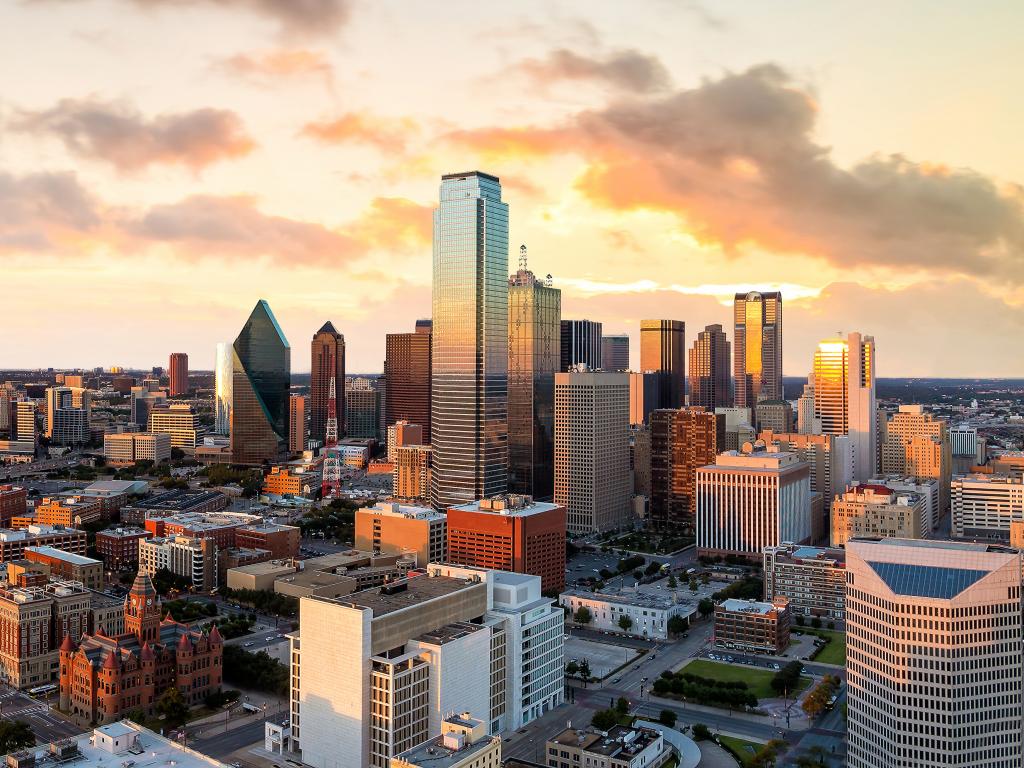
<point>223,373</point>
<point>709,369</point>
<point>757,361</point>
<point>534,340</point>
<point>261,376</point>
<point>469,399</point>
<point>663,350</point>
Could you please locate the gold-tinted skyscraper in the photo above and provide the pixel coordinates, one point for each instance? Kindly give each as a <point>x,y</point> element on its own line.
<point>844,396</point>
<point>709,369</point>
<point>663,350</point>
<point>757,361</point>
<point>407,377</point>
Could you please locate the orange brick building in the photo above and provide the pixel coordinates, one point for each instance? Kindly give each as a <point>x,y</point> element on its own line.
<point>510,533</point>
<point>69,511</point>
<point>281,540</point>
<point>102,678</point>
<point>13,502</point>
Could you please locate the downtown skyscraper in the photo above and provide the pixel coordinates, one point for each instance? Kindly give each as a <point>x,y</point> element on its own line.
<point>709,369</point>
<point>663,351</point>
<point>469,387</point>
<point>261,377</point>
<point>757,347</point>
<point>534,314</point>
<point>327,360</point>
<point>177,369</point>
<point>223,375</point>
<point>844,397</point>
<point>407,375</point>
<point>581,344</point>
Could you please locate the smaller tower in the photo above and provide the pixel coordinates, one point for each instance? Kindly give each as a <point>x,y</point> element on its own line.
<point>67,652</point>
<point>142,610</point>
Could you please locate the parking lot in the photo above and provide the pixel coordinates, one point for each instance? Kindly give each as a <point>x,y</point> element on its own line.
<point>45,724</point>
<point>603,657</point>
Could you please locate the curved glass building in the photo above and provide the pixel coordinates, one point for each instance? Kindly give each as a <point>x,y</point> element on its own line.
<point>222,371</point>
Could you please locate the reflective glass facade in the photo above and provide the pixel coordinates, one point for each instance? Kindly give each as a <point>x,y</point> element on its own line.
<point>663,350</point>
<point>758,354</point>
<point>710,386</point>
<point>223,373</point>
<point>327,359</point>
<point>581,344</point>
<point>407,378</point>
<point>260,381</point>
<point>534,314</point>
<point>469,397</point>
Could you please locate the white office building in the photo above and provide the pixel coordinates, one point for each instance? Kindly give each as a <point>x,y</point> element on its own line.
<point>985,505</point>
<point>647,614</point>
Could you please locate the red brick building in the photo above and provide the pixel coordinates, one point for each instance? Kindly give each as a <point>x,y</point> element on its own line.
<point>510,533</point>
<point>102,678</point>
<point>281,540</point>
<point>13,501</point>
<point>119,547</point>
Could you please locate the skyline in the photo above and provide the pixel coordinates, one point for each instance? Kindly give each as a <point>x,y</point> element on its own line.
<point>653,168</point>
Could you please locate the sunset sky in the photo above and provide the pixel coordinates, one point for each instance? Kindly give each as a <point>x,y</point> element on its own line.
<point>166,163</point>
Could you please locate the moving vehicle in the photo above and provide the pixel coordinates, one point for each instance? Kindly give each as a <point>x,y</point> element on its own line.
<point>42,690</point>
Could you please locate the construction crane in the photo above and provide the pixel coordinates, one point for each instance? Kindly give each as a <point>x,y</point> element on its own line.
<point>332,466</point>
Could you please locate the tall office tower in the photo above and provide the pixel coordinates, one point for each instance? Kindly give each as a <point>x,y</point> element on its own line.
<point>663,350</point>
<point>410,477</point>
<point>640,459</point>
<point>682,441</point>
<point>933,655</point>
<point>403,433</point>
<point>298,422</point>
<point>615,352</point>
<point>643,396</point>
<point>776,415</point>
<point>178,368</point>
<point>710,384</point>
<point>5,409</point>
<point>67,415</point>
<point>510,533</point>
<point>829,457</point>
<point>143,401</point>
<point>179,421</point>
<point>363,402</point>
<point>757,360</point>
<point>749,501</point>
<point>592,450</point>
<point>23,420</point>
<point>223,374</point>
<point>844,397</point>
<point>916,443</point>
<point>327,361</point>
<point>534,343</point>
<point>261,377</point>
<point>806,422</point>
<point>966,448</point>
<point>469,388</point>
<point>580,344</point>
<point>407,378</point>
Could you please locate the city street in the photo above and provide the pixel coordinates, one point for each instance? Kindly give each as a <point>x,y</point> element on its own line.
<point>46,724</point>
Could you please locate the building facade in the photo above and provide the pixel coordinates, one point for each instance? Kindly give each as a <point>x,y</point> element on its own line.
<point>411,474</point>
<point>261,376</point>
<point>682,441</point>
<point>829,457</point>
<point>298,422</point>
<point>580,344</point>
<point>813,579</point>
<point>753,627</point>
<point>592,477</point>
<point>124,448</point>
<point>223,380</point>
<point>643,396</point>
<point>615,352</point>
<point>648,615</point>
<point>916,443</point>
<point>119,547</point>
<point>363,404</point>
<point>985,506</point>
<point>844,397</point>
<point>67,566</point>
<point>327,361</point>
<point>177,370</point>
<point>710,378</point>
<point>192,558</point>
<point>407,372</point>
<point>391,528</point>
<point>933,654</point>
<point>469,389</point>
<point>534,317</point>
<point>179,421</point>
<point>68,410</point>
<point>877,510</point>
<point>757,352</point>
<point>663,352</point>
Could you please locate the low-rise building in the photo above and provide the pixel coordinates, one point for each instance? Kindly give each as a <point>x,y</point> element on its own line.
<point>222,527</point>
<point>179,422</point>
<point>638,614</point>
<point>173,503</point>
<point>193,558</point>
<point>236,557</point>
<point>68,566</point>
<point>985,506</point>
<point>69,511</point>
<point>752,626</point>
<point>119,547</point>
<point>877,510</point>
<point>280,540</point>
<point>813,579</point>
<point>113,494</point>
<point>301,477</point>
<point>13,543</point>
<point>620,747</point>
<point>392,528</point>
<point>123,448</point>
<point>13,502</point>
<point>463,743</point>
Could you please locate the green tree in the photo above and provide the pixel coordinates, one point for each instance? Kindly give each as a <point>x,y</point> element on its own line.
<point>172,706</point>
<point>677,625</point>
<point>605,719</point>
<point>667,717</point>
<point>693,585</point>
<point>706,607</point>
<point>785,680</point>
<point>672,583</point>
<point>705,579</point>
<point>622,705</point>
<point>625,622</point>
<point>816,622</point>
<point>583,615</point>
<point>700,732</point>
<point>15,735</point>
<point>572,668</point>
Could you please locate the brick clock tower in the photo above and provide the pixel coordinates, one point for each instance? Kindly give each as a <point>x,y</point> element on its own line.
<point>142,610</point>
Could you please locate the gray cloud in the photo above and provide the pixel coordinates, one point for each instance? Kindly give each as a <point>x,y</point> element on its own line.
<point>117,134</point>
<point>629,70</point>
<point>39,210</point>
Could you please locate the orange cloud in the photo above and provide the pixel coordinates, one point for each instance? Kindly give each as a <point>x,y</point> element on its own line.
<point>392,223</point>
<point>500,144</point>
<point>388,134</point>
<point>629,70</point>
<point>273,66</point>
<point>117,134</point>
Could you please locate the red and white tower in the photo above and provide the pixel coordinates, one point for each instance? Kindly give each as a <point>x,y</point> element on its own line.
<point>332,466</point>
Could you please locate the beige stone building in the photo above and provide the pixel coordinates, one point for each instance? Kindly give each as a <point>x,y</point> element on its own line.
<point>412,471</point>
<point>391,528</point>
<point>463,743</point>
<point>877,510</point>
<point>916,443</point>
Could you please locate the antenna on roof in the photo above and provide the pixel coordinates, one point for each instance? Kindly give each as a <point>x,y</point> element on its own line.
<point>522,257</point>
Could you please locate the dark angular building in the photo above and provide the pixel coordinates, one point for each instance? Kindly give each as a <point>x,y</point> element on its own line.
<point>710,385</point>
<point>615,352</point>
<point>261,379</point>
<point>581,343</point>
<point>663,351</point>
<point>534,343</point>
<point>327,359</point>
<point>682,441</point>
<point>407,377</point>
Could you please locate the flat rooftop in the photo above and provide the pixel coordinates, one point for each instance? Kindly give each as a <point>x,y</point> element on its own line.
<point>267,568</point>
<point>60,554</point>
<point>435,754</point>
<point>449,632</point>
<point>396,509</point>
<point>510,505</point>
<point>638,599</point>
<point>622,741</point>
<point>748,606</point>
<point>961,546</point>
<point>403,594</point>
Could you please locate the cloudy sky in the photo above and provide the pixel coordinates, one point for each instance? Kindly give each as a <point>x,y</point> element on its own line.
<point>165,163</point>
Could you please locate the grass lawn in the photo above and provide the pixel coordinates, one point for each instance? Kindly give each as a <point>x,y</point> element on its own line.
<point>743,749</point>
<point>835,651</point>
<point>759,681</point>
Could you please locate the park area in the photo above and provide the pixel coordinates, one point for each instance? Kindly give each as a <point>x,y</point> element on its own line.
<point>834,651</point>
<point>756,682</point>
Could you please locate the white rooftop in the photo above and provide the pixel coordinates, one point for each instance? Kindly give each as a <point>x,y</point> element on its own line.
<point>748,606</point>
<point>512,505</point>
<point>60,554</point>
<point>411,511</point>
